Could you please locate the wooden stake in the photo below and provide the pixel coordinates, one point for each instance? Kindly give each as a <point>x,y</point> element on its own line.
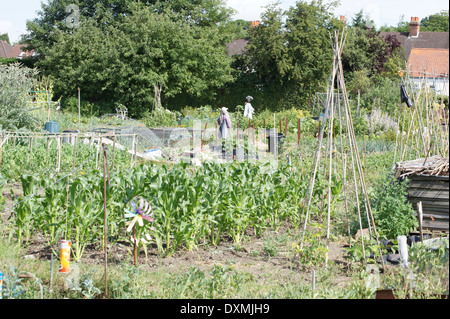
<point>135,244</point>
<point>133,145</point>
<point>286,126</point>
<point>75,152</point>
<point>48,145</point>
<point>320,126</point>
<point>105,216</point>
<point>135,150</point>
<point>114,152</point>
<point>204,135</point>
<point>50,289</point>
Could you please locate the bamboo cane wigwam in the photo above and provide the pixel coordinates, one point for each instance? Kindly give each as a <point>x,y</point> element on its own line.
<point>357,173</point>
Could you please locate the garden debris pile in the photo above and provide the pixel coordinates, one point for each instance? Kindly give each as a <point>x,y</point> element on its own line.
<point>436,166</point>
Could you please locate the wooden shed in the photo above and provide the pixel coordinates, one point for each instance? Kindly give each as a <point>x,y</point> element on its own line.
<point>429,184</point>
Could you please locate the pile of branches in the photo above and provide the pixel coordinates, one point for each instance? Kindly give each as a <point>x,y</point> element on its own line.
<point>436,166</point>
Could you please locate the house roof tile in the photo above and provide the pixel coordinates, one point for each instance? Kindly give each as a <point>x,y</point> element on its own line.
<point>13,51</point>
<point>429,62</point>
<point>5,48</point>
<point>425,39</point>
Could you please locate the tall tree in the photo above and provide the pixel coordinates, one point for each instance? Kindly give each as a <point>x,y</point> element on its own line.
<point>66,15</point>
<point>367,55</point>
<point>437,22</point>
<point>291,53</point>
<point>5,37</point>
<point>362,20</point>
<point>122,61</point>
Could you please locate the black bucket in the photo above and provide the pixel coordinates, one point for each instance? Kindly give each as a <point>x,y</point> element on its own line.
<point>275,142</point>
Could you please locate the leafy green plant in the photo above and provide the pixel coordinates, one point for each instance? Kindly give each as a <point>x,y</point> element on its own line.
<point>393,214</point>
<point>371,251</point>
<point>13,287</point>
<point>313,252</point>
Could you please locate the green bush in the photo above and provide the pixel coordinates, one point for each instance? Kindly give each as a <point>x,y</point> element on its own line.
<point>393,214</point>
<point>15,83</point>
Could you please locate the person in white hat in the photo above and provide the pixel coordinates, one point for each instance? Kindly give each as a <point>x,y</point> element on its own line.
<point>224,122</point>
<point>248,110</point>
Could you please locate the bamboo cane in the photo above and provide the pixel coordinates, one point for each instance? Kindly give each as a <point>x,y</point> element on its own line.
<point>344,165</point>
<point>286,127</point>
<point>105,217</point>
<point>75,152</point>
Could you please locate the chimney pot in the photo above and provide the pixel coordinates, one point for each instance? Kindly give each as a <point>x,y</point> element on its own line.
<point>414,27</point>
<point>255,23</point>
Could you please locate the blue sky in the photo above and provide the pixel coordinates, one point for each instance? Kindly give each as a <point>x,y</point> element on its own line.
<point>14,13</point>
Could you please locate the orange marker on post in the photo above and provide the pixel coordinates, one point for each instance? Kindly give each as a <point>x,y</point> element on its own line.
<point>64,265</point>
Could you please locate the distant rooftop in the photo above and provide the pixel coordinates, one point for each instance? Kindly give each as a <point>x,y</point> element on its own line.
<point>424,40</point>
<point>416,39</point>
<point>17,51</point>
<point>429,62</point>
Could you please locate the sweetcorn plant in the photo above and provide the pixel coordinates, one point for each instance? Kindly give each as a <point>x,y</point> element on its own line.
<point>191,207</point>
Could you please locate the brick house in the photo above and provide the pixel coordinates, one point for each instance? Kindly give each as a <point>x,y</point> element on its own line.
<point>426,55</point>
<point>17,51</point>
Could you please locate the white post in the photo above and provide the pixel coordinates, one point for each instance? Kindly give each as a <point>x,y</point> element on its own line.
<point>403,250</point>
<point>420,211</point>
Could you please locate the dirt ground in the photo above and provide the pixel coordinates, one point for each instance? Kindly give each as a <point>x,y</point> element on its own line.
<point>248,257</point>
